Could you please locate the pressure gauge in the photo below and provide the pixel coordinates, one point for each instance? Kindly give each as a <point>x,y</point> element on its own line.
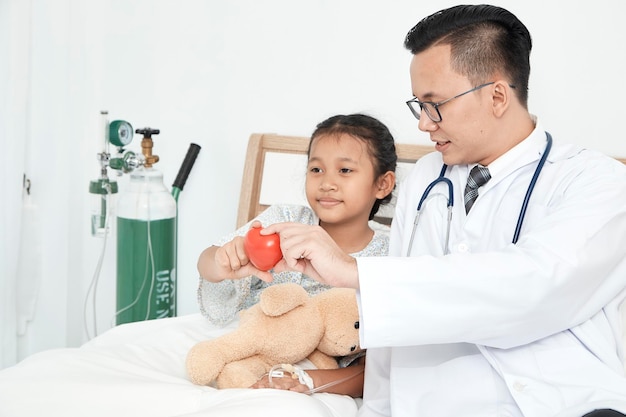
<point>120,133</point>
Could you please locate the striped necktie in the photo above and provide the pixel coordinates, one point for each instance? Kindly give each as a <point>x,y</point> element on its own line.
<point>478,176</point>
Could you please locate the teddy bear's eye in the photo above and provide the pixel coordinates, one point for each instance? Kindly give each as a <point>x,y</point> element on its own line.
<point>356,324</point>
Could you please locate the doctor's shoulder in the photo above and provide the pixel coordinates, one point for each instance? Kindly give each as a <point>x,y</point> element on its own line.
<point>587,163</point>
<point>428,165</point>
<point>417,176</point>
<point>577,173</point>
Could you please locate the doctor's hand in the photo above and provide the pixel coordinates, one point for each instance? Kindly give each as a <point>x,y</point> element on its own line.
<point>311,251</point>
<point>229,261</point>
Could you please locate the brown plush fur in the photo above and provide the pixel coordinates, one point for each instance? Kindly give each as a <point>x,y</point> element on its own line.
<point>286,326</point>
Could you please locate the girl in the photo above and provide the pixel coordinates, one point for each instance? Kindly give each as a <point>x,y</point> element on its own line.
<point>350,173</point>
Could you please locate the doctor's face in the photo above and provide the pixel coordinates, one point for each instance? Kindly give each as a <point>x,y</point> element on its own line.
<point>462,135</point>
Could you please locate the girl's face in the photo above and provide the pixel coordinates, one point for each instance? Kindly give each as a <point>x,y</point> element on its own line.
<point>340,183</point>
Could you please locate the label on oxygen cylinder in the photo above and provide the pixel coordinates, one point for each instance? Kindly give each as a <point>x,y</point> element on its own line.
<point>145,292</point>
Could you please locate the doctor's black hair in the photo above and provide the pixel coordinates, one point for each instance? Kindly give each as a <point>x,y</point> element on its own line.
<point>374,133</point>
<point>484,40</point>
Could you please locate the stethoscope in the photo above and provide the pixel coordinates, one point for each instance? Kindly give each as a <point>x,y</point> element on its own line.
<point>442,179</point>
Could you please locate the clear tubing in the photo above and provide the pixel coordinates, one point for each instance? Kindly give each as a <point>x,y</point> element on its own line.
<point>146,249</point>
<point>93,285</point>
<point>316,389</point>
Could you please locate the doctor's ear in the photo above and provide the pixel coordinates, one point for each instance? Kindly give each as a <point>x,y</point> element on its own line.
<point>501,97</point>
<point>385,183</point>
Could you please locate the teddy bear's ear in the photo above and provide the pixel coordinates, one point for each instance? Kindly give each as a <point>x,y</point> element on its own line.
<point>281,298</point>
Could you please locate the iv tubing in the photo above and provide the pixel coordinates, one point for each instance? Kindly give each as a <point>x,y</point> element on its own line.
<point>149,257</point>
<point>93,285</point>
<point>332,383</point>
<point>321,387</point>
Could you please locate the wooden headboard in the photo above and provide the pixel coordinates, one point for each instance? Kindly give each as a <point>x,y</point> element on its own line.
<point>281,160</point>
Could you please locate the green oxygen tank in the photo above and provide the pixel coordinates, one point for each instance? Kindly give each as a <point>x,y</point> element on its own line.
<point>146,244</point>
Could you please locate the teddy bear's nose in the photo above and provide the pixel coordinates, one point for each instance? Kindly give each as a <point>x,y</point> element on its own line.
<point>356,324</point>
<point>353,348</point>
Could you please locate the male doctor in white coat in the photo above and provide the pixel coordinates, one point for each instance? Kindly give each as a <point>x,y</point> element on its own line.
<point>460,320</point>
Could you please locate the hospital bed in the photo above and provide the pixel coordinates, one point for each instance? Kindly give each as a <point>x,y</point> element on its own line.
<point>137,369</point>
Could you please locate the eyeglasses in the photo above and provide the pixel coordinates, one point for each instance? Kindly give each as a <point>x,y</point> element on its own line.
<point>432,109</point>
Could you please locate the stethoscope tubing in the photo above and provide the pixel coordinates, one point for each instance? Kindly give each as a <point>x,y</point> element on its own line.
<point>442,178</point>
<point>531,187</point>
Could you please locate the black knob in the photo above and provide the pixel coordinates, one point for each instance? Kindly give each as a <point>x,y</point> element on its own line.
<point>147,132</point>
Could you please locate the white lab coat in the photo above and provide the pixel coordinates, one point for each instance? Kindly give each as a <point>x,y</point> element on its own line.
<point>531,329</point>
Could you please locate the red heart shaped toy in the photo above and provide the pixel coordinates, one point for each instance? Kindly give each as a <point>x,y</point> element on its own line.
<point>263,250</point>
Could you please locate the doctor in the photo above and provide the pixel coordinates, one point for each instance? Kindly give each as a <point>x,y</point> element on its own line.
<point>471,323</point>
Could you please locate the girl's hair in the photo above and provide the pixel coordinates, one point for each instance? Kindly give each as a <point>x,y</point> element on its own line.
<point>484,40</point>
<point>379,141</point>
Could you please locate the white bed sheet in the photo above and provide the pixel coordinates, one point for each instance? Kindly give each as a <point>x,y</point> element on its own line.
<point>138,369</point>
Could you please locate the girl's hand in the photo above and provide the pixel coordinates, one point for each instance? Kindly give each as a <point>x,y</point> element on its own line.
<point>285,383</point>
<point>310,250</point>
<point>229,261</point>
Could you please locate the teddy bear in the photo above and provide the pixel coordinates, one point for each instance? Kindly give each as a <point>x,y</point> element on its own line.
<point>286,326</point>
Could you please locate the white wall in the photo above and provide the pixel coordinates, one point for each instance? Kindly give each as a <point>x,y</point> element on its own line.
<point>212,72</point>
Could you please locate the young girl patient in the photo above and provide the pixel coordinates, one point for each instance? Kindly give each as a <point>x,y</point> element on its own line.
<point>350,173</point>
